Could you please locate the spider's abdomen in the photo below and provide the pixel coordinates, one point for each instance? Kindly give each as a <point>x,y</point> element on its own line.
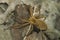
<point>39,23</point>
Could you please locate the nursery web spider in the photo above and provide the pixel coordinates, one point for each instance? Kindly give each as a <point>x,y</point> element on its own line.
<point>24,16</point>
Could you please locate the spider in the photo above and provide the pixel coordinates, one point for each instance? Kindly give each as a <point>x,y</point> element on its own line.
<point>24,16</point>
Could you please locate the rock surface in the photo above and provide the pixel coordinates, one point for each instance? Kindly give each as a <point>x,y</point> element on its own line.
<point>50,9</point>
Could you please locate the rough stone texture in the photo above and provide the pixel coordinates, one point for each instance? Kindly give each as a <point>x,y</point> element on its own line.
<point>37,36</point>
<point>51,10</point>
<point>4,35</point>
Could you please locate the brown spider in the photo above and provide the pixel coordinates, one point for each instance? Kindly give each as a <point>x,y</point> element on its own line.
<point>24,16</point>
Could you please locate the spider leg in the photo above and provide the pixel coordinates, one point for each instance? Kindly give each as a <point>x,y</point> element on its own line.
<point>24,20</point>
<point>17,26</point>
<point>31,11</point>
<point>29,31</point>
<point>23,25</point>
